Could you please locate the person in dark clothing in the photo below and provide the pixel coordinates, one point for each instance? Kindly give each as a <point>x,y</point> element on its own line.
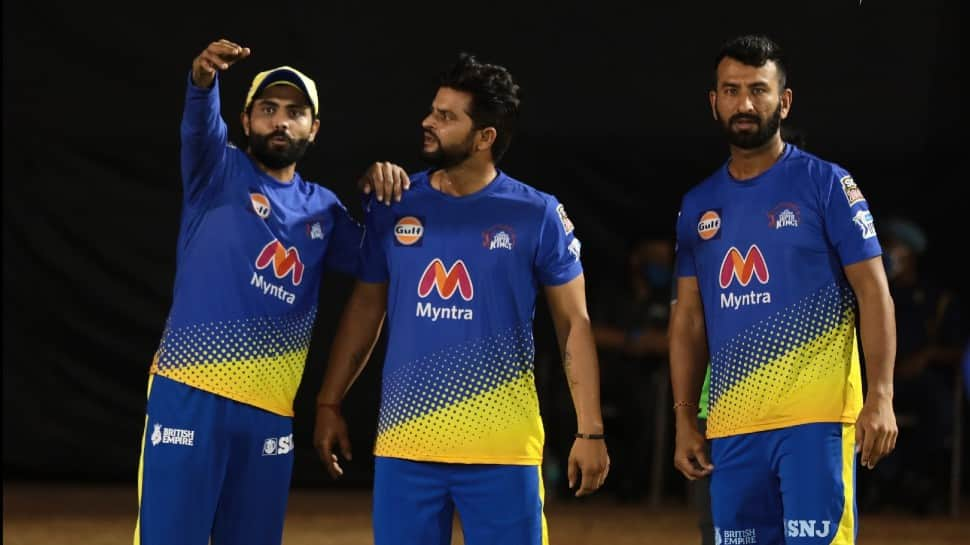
<point>629,325</point>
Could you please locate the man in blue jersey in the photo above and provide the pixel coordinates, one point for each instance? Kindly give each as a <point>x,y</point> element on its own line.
<point>457,266</point>
<point>778,261</point>
<point>253,243</point>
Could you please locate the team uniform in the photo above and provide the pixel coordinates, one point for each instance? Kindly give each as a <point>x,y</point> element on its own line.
<point>459,421</point>
<point>218,448</point>
<point>785,387</point>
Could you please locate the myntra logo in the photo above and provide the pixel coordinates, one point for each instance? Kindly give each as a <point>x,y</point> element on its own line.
<point>283,260</point>
<point>446,281</point>
<point>743,268</point>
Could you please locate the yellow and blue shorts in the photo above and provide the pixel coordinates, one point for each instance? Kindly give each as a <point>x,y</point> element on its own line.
<point>211,467</point>
<point>789,486</point>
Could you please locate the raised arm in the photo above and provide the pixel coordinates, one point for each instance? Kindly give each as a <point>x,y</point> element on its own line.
<point>203,130</point>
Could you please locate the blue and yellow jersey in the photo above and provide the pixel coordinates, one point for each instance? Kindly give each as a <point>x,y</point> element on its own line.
<point>768,254</point>
<point>463,274</point>
<point>251,251</point>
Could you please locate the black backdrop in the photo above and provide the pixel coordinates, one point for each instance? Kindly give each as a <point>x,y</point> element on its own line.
<point>615,123</point>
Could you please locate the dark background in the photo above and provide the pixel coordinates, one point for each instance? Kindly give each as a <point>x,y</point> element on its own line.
<point>615,123</point>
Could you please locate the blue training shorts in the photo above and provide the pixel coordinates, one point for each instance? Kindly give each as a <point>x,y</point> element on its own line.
<point>790,486</point>
<point>211,466</point>
<point>415,502</point>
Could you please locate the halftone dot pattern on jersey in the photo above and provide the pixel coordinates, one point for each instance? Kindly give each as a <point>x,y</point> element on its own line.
<point>472,402</point>
<point>798,365</point>
<point>258,361</point>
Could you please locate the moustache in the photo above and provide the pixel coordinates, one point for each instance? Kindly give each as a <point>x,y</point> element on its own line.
<point>744,117</point>
<point>280,134</point>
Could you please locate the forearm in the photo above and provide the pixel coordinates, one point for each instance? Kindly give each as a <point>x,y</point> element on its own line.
<point>877,327</point>
<point>359,329</point>
<point>582,373</point>
<point>688,364</point>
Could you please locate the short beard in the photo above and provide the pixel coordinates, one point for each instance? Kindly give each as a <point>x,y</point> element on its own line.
<point>753,140</point>
<point>443,157</point>
<point>277,158</point>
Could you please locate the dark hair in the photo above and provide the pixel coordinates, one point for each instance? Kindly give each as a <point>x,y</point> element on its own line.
<point>754,50</point>
<point>495,97</point>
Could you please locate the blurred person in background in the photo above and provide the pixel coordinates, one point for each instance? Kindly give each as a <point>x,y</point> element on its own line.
<point>630,327</point>
<point>930,337</point>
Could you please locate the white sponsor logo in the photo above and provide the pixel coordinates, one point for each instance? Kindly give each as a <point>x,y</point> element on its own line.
<point>172,436</point>
<point>271,289</point>
<point>747,536</point>
<point>425,310</point>
<point>732,301</point>
<point>274,446</point>
<point>575,247</point>
<point>316,231</point>
<point>808,528</point>
<point>863,220</point>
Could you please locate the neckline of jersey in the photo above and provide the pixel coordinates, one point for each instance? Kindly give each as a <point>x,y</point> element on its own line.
<point>483,192</point>
<point>262,175</point>
<point>757,180</point>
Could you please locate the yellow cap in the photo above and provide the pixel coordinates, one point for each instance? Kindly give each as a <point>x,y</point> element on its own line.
<point>284,75</point>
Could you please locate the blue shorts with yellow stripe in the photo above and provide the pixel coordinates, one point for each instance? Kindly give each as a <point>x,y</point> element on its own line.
<point>211,468</point>
<point>415,503</point>
<point>787,486</point>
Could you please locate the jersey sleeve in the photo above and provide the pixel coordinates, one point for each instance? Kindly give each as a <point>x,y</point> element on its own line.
<point>848,222</point>
<point>684,249</point>
<point>204,138</point>
<point>557,256</point>
<point>343,251</point>
<point>373,257</point>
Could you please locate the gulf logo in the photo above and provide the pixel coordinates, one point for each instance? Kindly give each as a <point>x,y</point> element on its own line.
<point>709,224</point>
<point>408,231</point>
<point>260,204</point>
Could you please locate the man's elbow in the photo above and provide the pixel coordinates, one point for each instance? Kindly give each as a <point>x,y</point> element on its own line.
<point>875,296</point>
<point>579,320</point>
